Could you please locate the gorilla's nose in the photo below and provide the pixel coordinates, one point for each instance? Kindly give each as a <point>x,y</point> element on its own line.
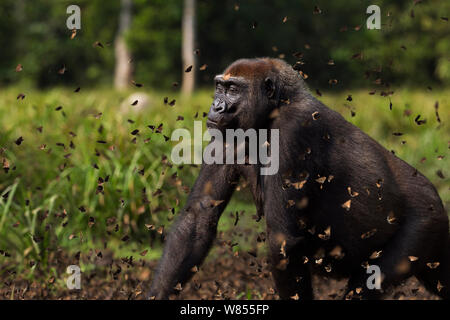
<point>219,106</point>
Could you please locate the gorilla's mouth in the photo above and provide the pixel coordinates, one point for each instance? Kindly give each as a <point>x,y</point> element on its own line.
<point>212,124</point>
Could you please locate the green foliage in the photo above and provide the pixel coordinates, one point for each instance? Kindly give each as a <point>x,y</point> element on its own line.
<point>55,172</point>
<point>409,48</point>
<point>155,41</point>
<point>41,42</point>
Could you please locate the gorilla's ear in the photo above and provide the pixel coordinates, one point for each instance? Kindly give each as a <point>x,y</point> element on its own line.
<point>270,88</point>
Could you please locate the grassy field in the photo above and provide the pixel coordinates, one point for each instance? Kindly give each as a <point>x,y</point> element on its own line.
<point>76,176</point>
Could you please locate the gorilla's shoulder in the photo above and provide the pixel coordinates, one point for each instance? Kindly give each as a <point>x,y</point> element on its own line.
<point>310,112</point>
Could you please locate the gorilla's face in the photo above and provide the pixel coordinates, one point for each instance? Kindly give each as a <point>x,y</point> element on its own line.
<point>230,103</point>
<point>239,102</point>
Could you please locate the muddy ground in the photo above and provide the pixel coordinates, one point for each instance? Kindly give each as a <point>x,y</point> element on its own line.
<point>229,276</point>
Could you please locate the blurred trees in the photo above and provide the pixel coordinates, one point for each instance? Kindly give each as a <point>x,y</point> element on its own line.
<point>412,46</point>
<point>123,69</point>
<point>40,41</point>
<point>188,49</point>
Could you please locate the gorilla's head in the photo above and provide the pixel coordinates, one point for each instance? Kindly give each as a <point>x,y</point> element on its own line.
<point>249,90</point>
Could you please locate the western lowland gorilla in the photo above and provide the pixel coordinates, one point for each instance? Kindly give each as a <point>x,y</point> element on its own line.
<point>339,201</point>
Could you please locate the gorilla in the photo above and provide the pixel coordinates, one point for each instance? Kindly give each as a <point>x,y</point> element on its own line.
<point>339,202</point>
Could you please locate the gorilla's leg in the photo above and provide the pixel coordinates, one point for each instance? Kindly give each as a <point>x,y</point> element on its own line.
<point>287,247</point>
<point>291,275</point>
<point>416,243</point>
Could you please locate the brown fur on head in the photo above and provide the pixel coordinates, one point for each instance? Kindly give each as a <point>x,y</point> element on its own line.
<point>249,68</point>
<point>287,80</point>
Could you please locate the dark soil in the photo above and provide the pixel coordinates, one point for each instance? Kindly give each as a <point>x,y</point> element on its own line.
<point>230,276</point>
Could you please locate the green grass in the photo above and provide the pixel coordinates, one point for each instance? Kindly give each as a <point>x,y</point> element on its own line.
<point>41,194</point>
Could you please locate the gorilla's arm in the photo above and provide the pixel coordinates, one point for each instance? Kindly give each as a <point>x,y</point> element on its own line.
<point>195,229</point>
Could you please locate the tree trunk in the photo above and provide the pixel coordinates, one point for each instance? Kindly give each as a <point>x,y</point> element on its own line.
<point>123,68</point>
<point>188,56</point>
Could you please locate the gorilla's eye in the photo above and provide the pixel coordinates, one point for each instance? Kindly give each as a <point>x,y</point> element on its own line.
<point>233,89</point>
<point>219,87</point>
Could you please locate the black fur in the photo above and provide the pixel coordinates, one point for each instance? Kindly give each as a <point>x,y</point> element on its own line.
<point>393,209</point>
